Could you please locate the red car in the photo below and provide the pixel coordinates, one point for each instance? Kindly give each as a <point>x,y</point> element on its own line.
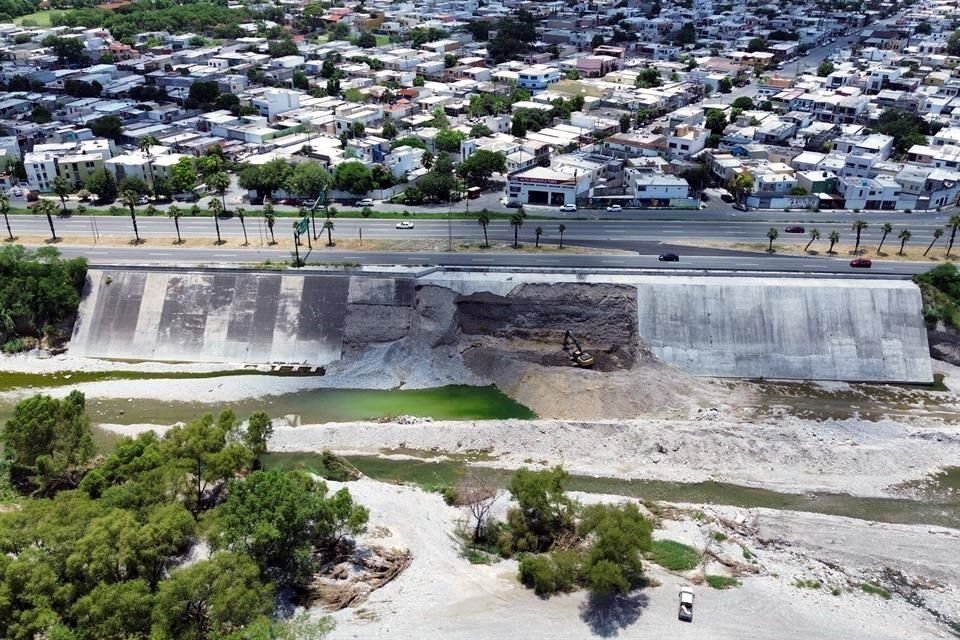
<point>795,229</point>
<point>862,263</point>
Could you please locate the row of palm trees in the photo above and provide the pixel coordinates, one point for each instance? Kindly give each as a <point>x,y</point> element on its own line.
<point>516,221</point>
<point>860,225</point>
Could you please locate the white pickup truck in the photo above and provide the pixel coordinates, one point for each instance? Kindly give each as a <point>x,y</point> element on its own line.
<point>686,605</point>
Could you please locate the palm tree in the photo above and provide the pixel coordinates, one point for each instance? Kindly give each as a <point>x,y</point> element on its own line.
<point>858,227</point>
<point>563,228</point>
<point>834,239</point>
<point>484,220</point>
<point>271,220</point>
<point>129,199</point>
<point>772,235</point>
<point>887,228</point>
<point>904,236</point>
<point>174,212</point>
<point>814,235</point>
<point>954,223</point>
<point>62,188</point>
<point>539,232</point>
<point>216,209</point>
<point>740,185</point>
<point>47,208</point>
<point>516,221</point>
<point>146,142</point>
<point>220,182</point>
<point>241,214</point>
<point>328,227</point>
<point>5,210</point>
<point>937,234</point>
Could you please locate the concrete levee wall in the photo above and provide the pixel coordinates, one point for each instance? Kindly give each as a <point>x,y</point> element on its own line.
<point>819,329</point>
<point>790,328</point>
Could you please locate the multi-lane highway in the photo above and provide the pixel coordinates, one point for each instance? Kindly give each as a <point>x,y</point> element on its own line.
<point>643,240</point>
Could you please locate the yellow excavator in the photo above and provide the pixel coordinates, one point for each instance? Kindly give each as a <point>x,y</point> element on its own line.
<point>580,357</point>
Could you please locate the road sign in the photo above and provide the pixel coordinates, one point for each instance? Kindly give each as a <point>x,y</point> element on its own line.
<point>303,226</point>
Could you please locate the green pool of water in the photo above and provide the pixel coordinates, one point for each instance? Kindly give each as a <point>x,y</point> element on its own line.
<point>432,474</point>
<point>326,405</point>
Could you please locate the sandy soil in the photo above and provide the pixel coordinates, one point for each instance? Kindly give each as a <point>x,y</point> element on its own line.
<point>789,454</point>
<point>442,595</point>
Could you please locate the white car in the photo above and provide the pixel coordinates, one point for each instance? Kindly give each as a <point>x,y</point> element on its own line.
<point>406,224</point>
<point>143,200</point>
<point>614,208</point>
<point>568,207</point>
<point>366,202</point>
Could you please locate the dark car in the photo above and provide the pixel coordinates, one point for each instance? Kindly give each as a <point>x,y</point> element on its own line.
<point>512,205</point>
<point>861,263</point>
<point>669,257</point>
<point>186,197</point>
<point>795,229</point>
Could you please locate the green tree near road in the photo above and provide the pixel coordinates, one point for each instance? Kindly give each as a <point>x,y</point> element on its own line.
<point>484,219</point>
<point>858,227</point>
<point>904,237</point>
<point>5,210</point>
<point>216,209</point>
<point>516,221</point>
<point>220,182</point>
<point>482,164</point>
<point>772,235</point>
<point>271,219</point>
<point>814,235</point>
<point>129,199</point>
<point>825,69</point>
<point>48,209</point>
<point>328,227</point>
<point>62,188</point>
<point>175,213</point>
<point>241,213</point>
<point>183,176</point>
<point>740,185</point>
<point>953,224</point>
<point>102,183</point>
<point>937,234</point>
<point>887,228</point>
<point>146,142</point>
<point>562,228</point>
<point>834,238</point>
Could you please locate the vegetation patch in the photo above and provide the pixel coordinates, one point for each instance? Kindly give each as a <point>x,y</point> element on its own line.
<point>674,556</point>
<point>940,289</point>
<point>807,584</point>
<point>39,296</point>
<point>875,590</point>
<point>721,582</point>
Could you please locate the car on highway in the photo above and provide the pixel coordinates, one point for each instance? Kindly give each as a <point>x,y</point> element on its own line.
<point>861,263</point>
<point>614,208</point>
<point>795,228</point>
<point>366,202</point>
<point>568,207</point>
<point>669,257</point>
<point>405,224</point>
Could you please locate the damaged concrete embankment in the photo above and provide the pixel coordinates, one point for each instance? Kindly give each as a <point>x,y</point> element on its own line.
<point>857,330</point>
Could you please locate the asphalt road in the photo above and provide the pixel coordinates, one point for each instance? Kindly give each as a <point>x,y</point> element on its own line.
<point>760,264</point>
<point>629,235</point>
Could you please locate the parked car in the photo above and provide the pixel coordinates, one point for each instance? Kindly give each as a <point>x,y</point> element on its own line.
<point>669,257</point>
<point>726,197</point>
<point>365,202</point>
<point>405,224</point>
<point>739,207</point>
<point>186,197</point>
<point>512,205</point>
<point>686,605</point>
<point>142,200</point>
<point>568,207</point>
<point>795,228</point>
<point>614,208</point>
<point>861,263</point>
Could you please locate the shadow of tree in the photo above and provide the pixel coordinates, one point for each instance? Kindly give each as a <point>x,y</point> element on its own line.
<point>607,616</point>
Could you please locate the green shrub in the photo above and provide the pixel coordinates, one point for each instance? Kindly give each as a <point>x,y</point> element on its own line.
<point>450,496</point>
<point>807,584</point>
<point>719,536</point>
<point>873,589</point>
<point>605,578</point>
<point>721,582</point>
<point>539,572</point>
<point>13,345</point>
<point>675,556</point>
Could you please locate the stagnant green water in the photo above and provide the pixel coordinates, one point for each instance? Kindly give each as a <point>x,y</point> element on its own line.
<point>432,474</point>
<point>458,402</point>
